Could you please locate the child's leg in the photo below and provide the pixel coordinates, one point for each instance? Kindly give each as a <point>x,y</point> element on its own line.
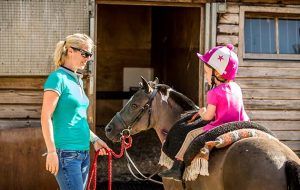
<point>187,141</point>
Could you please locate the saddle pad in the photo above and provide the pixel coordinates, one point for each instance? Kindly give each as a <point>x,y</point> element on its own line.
<point>199,165</point>
<point>199,141</point>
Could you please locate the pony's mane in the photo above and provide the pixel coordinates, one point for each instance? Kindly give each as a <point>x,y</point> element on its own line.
<point>180,99</point>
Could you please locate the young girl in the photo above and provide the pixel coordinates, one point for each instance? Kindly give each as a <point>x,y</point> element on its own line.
<point>224,100</point>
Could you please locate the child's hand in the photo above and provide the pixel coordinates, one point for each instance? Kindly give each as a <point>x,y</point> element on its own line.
<point>193,118</point>
<point>199,113</point>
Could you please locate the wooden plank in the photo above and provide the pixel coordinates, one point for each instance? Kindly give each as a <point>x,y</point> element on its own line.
<point>294,145</point>
<point>229,18</point>
<point>228,29</point>
<point>272,94</point>
<point>280,125</point>
<point>227,39</point>
<point>272,9</point>
<point>22,166</point>
<point>267,72</point>
<point>20,111</point>
<point>272,104</point>
<point>28,83</point>
<point>275,63</point>
<point>261,56</point>
<point>177,3</point>
<point>268,83</point>
<point>21,97</point>
<point>25,123</point>
<point>284,115</point>
<point>288,135</point>
<point>233,8</point>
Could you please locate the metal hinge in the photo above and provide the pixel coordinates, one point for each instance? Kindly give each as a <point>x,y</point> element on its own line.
<point>91,8</point>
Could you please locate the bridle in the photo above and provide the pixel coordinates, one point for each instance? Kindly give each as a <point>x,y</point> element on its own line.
<point>128,127</point>
<point>126,132</point>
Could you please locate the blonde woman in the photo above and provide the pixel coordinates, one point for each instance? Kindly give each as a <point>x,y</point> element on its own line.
<point>64,115</point>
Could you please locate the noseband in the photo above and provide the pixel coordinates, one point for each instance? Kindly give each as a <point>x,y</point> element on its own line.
<point>127,127</point>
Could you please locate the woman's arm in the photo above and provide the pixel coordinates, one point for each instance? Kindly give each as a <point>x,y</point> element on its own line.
<point>50,100</point>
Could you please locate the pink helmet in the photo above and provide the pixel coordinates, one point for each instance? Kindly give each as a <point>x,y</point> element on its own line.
<point>223,60</point>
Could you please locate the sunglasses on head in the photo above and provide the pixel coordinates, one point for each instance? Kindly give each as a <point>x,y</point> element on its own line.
<point>83,53</point>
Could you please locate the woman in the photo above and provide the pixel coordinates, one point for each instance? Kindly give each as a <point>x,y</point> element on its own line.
<point>64,115</point>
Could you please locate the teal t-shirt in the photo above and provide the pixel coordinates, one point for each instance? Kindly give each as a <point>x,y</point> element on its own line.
<point>70,127</point>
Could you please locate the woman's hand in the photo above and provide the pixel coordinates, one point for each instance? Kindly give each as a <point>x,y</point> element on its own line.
<point>101,146</point>
<point>52,163</point>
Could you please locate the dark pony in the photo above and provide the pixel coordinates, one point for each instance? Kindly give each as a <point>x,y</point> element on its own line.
<point>252,163</point>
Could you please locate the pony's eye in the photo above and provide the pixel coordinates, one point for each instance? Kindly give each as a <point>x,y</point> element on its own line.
<point>134,106</point>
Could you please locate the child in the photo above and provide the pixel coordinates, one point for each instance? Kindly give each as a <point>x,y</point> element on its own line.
<point>224,100</point>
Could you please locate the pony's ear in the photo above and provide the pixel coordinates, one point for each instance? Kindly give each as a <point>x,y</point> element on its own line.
<point>153,83</point>
<point>156,81</point>
<point>146,86</point>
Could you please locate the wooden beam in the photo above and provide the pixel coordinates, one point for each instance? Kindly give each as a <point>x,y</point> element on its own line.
<point>272,94</point>
<point>268,83</point>
<point>254,104</point>
<point>267,72</point>
<point>281,115</point>
<point>177,3</point>
<point>21,97</point>
<point>280,125</point>
<point>229,18</point>
<point>288,135</point>
<point>25,123</point>
<point>20,111</point>
<point>28,83</point>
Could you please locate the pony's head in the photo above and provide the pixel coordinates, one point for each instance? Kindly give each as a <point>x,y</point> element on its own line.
<point>136,114</point>
<point>155,106</point>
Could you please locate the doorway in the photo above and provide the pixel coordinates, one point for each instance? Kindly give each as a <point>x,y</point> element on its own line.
<point>164,39</point>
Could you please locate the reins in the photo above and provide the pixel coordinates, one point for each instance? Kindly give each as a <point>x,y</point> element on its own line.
<point>144,178</point>
<point>125,134</point>
<point>110,153</point>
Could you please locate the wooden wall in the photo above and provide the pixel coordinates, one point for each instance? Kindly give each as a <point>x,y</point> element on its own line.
<point>271,89</point>
<point>22,144</point>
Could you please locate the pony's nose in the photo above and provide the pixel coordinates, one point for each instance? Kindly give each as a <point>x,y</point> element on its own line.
<point>108,128</point>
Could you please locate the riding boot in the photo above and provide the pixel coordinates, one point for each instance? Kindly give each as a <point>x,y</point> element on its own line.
<point>175,172</point>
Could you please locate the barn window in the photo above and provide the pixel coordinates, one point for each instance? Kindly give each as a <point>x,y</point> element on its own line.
<point>271,35</point>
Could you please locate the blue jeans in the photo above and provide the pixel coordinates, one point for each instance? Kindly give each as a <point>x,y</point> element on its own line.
<point>73,169</point>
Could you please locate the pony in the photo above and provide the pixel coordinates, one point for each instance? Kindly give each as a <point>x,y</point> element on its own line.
<point>251,163</point>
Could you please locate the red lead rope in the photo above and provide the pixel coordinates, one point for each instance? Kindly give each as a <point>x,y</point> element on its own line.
<point>93,172</point>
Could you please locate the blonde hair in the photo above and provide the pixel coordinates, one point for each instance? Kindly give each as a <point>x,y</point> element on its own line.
<point>219,76</point>
<point>75,40</point>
